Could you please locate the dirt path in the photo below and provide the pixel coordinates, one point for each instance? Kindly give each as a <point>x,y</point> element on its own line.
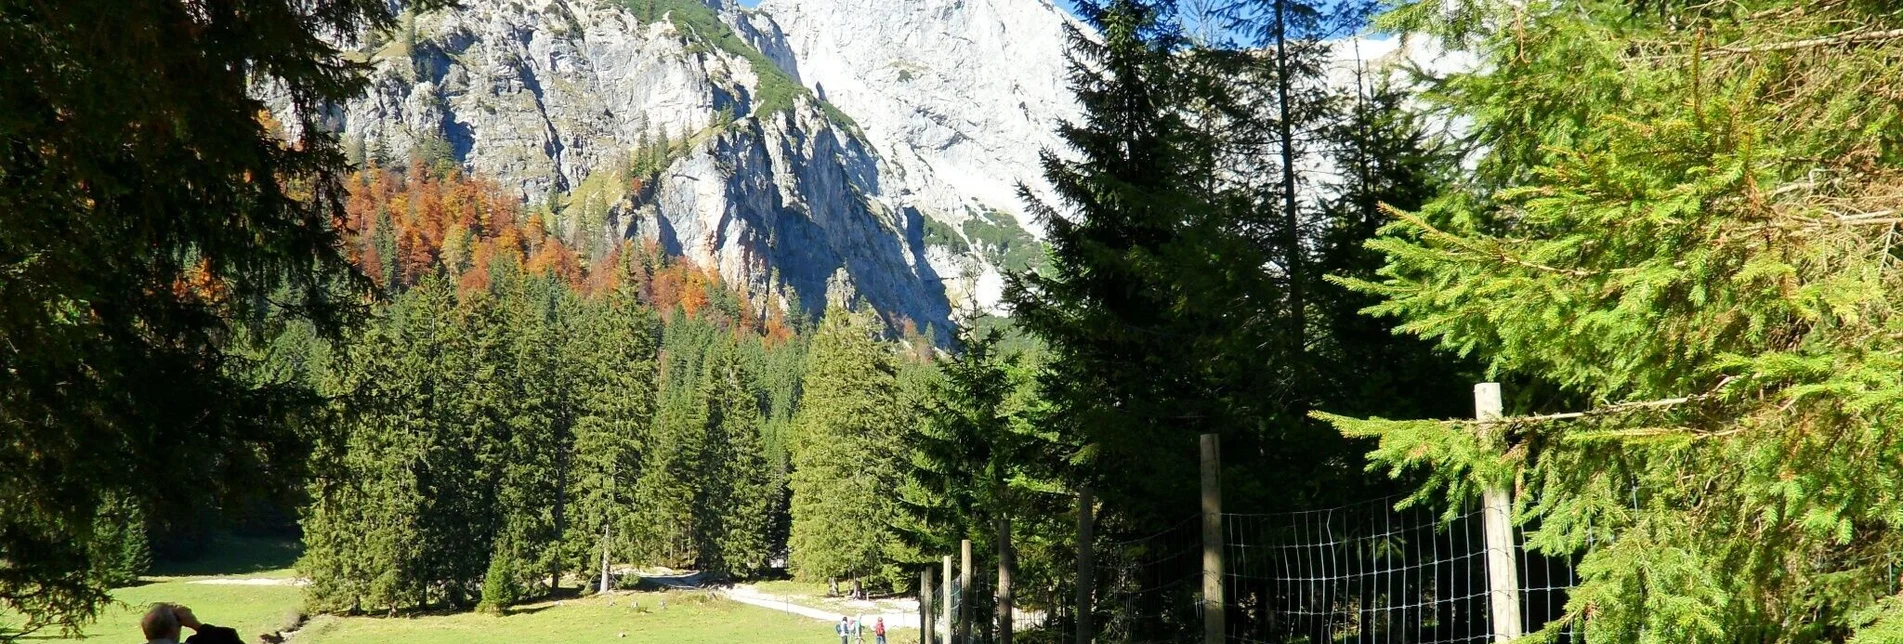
<point>895,612</point>
<point>252,581</point>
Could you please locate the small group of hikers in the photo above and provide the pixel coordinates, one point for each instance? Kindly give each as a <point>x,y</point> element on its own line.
<point>164,623</point>
<point>850,627</point>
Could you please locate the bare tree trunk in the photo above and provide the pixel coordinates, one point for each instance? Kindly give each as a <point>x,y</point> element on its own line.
<point>605,536</point>
<point>1006,560</point>
<point>1292,221</point>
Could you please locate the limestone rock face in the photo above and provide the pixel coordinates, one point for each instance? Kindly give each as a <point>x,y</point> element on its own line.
<point>968,92</point>
<point>821,150</point>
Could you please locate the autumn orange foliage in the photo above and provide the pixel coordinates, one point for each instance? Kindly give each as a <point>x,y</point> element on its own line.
<point>466,226</point>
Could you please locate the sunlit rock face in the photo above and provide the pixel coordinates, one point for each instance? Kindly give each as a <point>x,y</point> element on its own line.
<point>822,151</point>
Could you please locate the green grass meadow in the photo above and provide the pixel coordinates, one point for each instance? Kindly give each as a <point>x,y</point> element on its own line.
<point>686,620</point>
<point>690,617</point>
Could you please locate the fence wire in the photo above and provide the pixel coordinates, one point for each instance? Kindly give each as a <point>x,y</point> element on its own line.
<point>1364,573</point>
<point>1360,574</point>
<point>1149,587</point>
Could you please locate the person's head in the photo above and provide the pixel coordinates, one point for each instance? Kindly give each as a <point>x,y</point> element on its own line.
<point>842,618</point>
<point>161,622</point>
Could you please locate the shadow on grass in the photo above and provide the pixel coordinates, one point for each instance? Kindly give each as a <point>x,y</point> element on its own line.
<point>235,555</point>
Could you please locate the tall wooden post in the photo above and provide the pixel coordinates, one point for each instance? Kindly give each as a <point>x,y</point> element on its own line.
<point>1503,576</point>
<point>925,631</point>
<point>964,591</point>
<point>951,633</point>
<point>1085,564</point>
<point>1213,631</point>
<point>1006,561</point>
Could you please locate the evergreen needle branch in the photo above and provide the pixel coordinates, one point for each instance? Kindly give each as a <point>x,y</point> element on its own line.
<point>1886,216</point>
<point>1497,251</point>
<point>1603,411</point>
<point>1855,37</point>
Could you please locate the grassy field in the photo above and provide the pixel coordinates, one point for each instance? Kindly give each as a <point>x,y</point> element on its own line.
<point>251,609</point>
<point>690,618</point>
<point>263,606</point>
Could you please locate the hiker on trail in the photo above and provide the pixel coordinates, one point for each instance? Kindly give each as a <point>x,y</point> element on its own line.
<point>841,628</point>
<point>859,627</point>
<point>163,622</point>
<point>878,631</point>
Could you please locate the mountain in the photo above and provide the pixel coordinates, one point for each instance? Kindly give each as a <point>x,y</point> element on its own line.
<point>811,150</point>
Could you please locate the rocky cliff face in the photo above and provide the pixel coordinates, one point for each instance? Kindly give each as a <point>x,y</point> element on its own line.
<point>813,150</point>
<point>960,97</point>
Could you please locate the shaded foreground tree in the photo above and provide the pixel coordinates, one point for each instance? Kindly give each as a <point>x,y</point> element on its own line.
<point>1682,213</point>
<point>150,220</point>
<point>1182,293</point>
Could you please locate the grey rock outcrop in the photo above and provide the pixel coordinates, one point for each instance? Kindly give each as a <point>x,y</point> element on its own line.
<point>784,191</point>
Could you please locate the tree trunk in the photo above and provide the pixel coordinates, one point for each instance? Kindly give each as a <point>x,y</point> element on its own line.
<point>605,536</point>
<point>1006,561</point>
<point>1292,221</point>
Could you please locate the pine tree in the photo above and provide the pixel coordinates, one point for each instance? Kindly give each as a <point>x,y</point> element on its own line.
<point>671,486</point>
<point>1678,213</point>
<point>736,496</point>
<point>120,546</point>
<point>148,210</point>
<point>618,371</point>
<point>1170,301</point>
<point>844,440</point>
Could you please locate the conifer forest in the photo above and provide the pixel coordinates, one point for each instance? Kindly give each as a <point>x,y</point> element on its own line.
<point>1348,321</point>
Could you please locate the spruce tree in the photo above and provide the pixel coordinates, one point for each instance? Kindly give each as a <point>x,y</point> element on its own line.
<point>968,450</point>
<point>1169,304</point>
<point>845,438</point>
<point>1679,213</point>
<point>618,337</point>
<point>671,485</point>
<point>147,209</point>
<point>736,492</point>
<point>1385,157</point>
<point>120,546</point>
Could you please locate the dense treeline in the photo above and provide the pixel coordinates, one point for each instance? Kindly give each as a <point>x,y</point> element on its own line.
<point>519,414</point>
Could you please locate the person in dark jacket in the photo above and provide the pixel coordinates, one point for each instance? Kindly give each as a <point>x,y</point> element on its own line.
<point>164,623</point>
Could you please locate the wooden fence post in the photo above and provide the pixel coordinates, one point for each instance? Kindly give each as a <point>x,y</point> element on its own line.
<point>1213,632</point>
<point>1503,576</point>
<point>964,591</point>
<point>925,631</point>
<point>1085,564</point>
<point>1006,561</point>
<point>950,634</point>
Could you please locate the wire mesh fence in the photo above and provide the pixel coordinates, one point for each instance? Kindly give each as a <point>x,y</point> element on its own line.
<point>1361,573</point>
<point>1366,573</point>
<point>1149,587</point>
